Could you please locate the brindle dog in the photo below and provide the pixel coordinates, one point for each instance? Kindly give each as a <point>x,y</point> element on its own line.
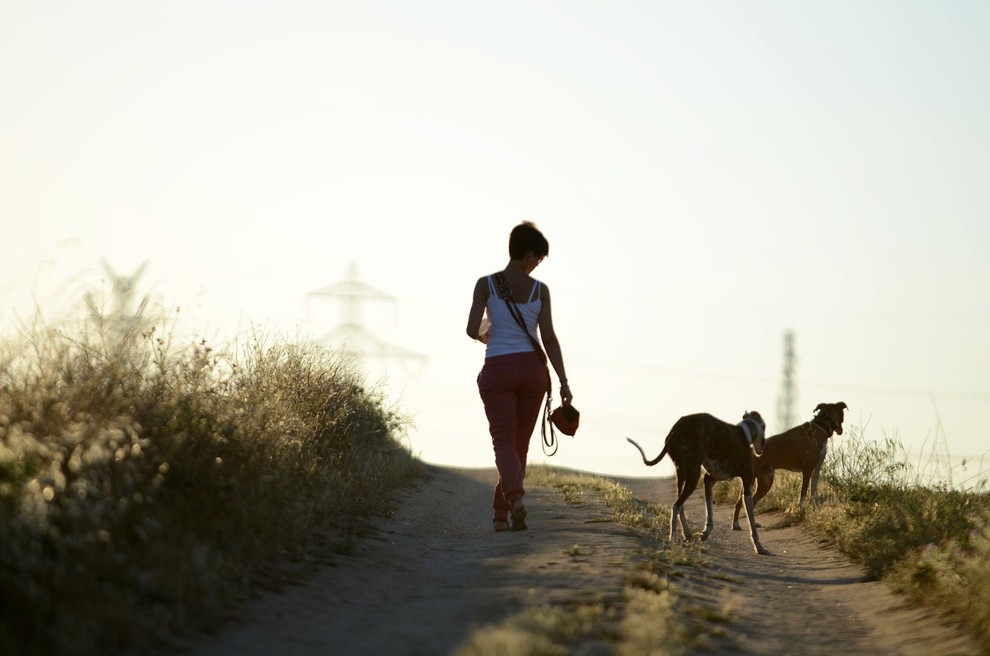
<point>801,449</point>
<point>724,450</point>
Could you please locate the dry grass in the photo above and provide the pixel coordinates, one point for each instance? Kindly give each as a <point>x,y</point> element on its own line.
<point>927,539</point>
<point>144,484</point>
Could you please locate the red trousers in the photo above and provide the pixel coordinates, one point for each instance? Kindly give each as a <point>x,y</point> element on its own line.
<point>513,388</point>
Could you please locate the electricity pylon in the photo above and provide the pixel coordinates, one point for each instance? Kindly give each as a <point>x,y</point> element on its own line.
<point>787,400</point>
<point>351,334</point>
<point>125,318</point>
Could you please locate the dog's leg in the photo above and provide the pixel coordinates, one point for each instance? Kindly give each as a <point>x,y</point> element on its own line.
<point>736,511</point>
<point>687,481</point>
<point>675,512</point>
<point>764,480</point>
<point>685,529</point>
<point>805,481</point>
<point>751,515</point>
<point>709,510</point>
<point>818,469</point>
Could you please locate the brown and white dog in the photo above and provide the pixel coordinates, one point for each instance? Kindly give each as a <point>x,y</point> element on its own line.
<point>800,449</point>
<point>725,451</point>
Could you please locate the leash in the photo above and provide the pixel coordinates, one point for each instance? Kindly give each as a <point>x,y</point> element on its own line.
<point>505,293</point>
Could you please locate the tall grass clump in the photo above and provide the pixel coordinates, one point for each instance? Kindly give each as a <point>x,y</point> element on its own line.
<point>144,484</point>
<point>927,539</point>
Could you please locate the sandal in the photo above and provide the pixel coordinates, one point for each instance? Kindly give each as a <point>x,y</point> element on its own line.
<point>518,515</point>
<point>501,525</point>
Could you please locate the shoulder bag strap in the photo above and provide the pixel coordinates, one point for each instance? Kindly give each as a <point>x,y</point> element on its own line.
<point>505,293</point>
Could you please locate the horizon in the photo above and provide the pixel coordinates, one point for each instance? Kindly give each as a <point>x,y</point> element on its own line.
<point>708,178</point>
<point>405,378</point>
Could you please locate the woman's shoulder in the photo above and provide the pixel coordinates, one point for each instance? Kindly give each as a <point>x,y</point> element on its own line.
<point>484,283</point>
<point>544,291</point>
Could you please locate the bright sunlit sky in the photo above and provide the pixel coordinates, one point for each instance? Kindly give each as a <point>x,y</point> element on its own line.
<point>709,175</point>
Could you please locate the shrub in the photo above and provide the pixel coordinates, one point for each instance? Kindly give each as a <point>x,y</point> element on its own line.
<point>143,484</point>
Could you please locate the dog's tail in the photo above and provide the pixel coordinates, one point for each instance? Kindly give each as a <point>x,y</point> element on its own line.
<point>648,463</point>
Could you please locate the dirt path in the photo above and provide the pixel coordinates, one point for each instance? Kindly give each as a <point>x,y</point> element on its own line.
<point>807,598</point>
<point>436,570</point>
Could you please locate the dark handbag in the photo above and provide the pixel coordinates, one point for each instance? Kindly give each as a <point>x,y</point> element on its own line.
<point>565,417</point>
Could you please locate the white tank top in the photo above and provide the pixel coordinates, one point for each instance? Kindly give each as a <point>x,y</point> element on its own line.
<point>505,336</point>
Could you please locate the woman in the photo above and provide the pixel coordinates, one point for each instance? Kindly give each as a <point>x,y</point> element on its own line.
<point>514,378</point>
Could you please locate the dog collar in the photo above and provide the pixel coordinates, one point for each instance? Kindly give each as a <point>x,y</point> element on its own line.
<point>746,431</point>
<point>824,429</point>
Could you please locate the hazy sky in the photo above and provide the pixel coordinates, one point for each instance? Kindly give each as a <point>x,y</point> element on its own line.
<point>709,175</point>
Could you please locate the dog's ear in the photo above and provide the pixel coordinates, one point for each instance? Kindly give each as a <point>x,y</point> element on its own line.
<point>819,407</point>
<point>843,406</point>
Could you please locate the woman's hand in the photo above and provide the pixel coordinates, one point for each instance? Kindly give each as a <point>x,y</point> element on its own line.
<point>565,394</point>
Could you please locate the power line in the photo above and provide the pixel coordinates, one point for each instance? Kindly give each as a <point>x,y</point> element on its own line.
<point>654,370</point>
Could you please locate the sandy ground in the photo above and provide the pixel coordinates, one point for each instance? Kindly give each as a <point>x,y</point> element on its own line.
<point>434,570</point>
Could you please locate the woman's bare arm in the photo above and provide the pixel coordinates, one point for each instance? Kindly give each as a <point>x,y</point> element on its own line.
<point>478,304</point>
<point>552,345</point>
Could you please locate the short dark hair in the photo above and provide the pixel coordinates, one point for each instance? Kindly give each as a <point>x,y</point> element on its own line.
<point>525,238</point>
